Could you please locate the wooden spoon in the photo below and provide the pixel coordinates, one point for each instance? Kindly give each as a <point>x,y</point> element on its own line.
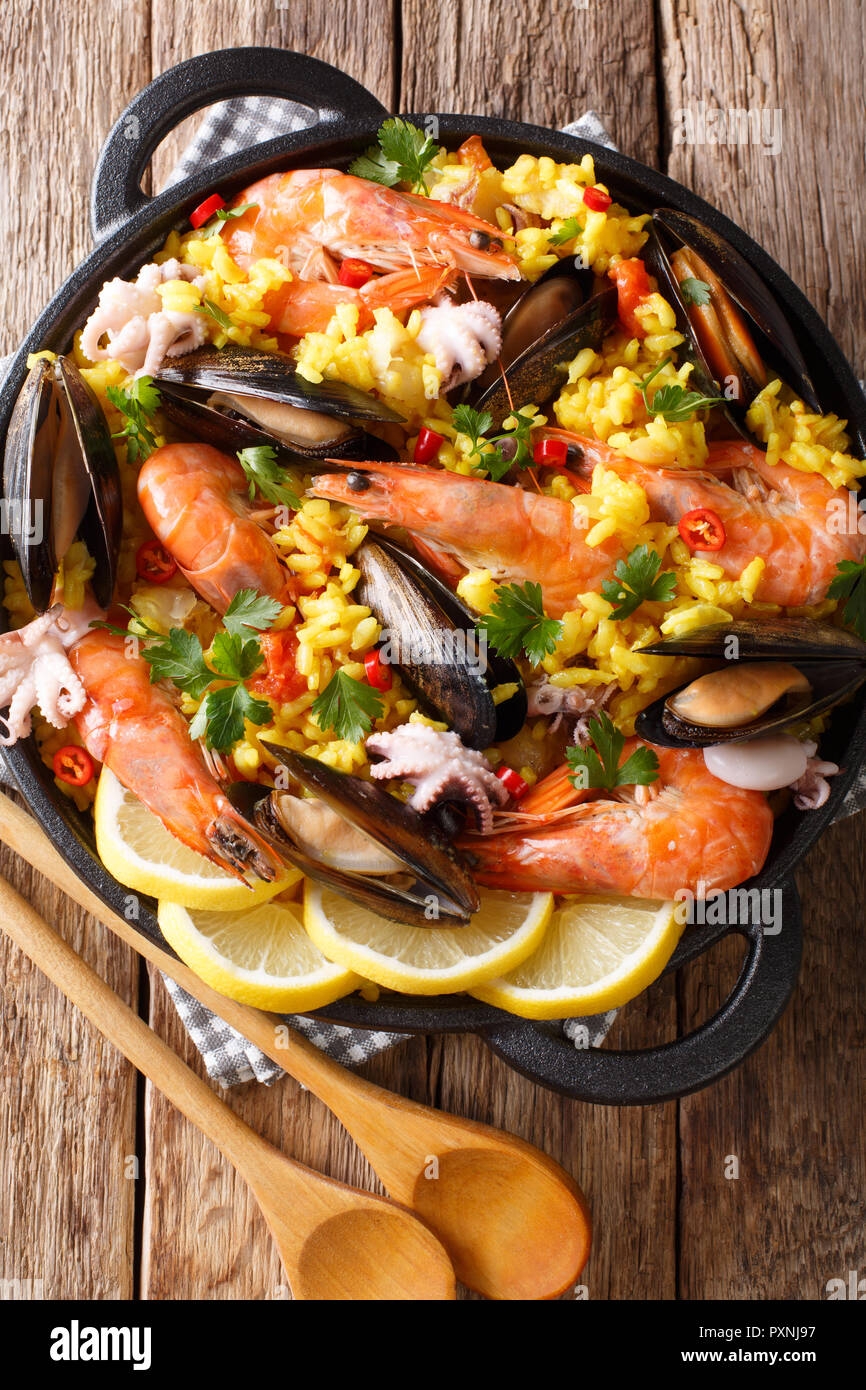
<point>335,1242</point>
<point>515,1224</point>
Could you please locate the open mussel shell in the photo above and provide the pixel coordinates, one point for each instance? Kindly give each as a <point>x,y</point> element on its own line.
<point>272,376</point>
<point>304,437</point>
<point>433,640</point>
<point>541,369</point>
<point>61,479</point>
<point>749,291</point>
<point>433,869</point>
<point>831,661</point>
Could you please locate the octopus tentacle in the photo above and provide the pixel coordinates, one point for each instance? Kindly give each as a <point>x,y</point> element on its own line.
<point>440,767</point>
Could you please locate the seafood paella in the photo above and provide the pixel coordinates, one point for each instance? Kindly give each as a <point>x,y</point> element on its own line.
<point>435,564</point>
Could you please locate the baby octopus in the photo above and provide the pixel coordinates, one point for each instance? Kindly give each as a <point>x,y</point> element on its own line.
<point>440,768</point>
<point>140,331</point>
<point>463,338</point>
<point>35,670</point>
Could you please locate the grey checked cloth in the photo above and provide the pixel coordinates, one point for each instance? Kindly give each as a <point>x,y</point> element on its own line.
<point>230,1058</point>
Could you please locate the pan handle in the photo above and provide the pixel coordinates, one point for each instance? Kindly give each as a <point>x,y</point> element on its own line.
<point>182,90</point>
<point>608,1077</point>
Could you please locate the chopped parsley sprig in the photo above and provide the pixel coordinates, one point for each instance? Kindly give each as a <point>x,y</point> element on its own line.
<point>638,580</point>
<point>599,767</point>
<point>517,623</point>
<point>674,403</point>
<point>567,232</point>
<point>234,656</point>
<point>404,155</point>
<point>695,291</point>
<point>213,311</point>
<point>850,584</point>
<point>259,462</point>
<point>348,707</point>
<point>138,405</point>
<point>512,448</point>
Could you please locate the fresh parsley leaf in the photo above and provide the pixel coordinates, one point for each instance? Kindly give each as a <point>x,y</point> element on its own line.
<point>674,403</point>
<point>695,291</point>
<point>404,155</point>
<point>137,405</point>
<point>637,580</point>
<point>474,423</point>
<point>179,658</point>
<point>214,311</point>
<point>264,473</point>
<point>221,714</point>
<point>567,232</point>
<point>599,767</point>
<point>517,623</point>
<point>348,707</point>
<point>850,584</point>
<point>224,215</point>
<point>234,657</point>
<point>249,610</point>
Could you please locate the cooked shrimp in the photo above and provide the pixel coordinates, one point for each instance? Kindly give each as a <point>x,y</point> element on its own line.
<point>196,501</point>
<point>133,727</point>
<point>516,534</point>
<point>296,213</point>
<point>692,832</point>
<point>307,306</point>
<point>779,513</point>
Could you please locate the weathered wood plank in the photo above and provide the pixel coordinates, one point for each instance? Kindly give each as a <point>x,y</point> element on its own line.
<point>543,61</point>
<point>792,1116</point>
<point>67,1100</point>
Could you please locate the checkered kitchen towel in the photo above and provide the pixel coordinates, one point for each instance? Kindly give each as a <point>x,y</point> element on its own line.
<point>229,1057</point>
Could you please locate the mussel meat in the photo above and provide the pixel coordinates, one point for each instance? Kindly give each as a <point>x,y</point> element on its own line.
<point>432,638</point>
<point>235,397</point>
<point>731,289</point>
<point>774,675</point>
<point>61,480</point>
<point>386,857</point>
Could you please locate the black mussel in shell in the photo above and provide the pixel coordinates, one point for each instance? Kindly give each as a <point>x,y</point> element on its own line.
<point>61,480</point>
<point>731,293</point>
<point>411,872</point>
<point>774,674</point>
<point>235,397</point>
<point>432,638</point>
<point>541,369</point>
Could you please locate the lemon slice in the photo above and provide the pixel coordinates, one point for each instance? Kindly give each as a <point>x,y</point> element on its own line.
<point>427,960</point>
<point>136,848</point>
<point>597,953</point>
<point>260,956</point>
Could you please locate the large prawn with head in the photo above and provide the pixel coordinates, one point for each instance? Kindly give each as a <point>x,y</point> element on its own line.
<point>688,830</point>
<point>310,219</point>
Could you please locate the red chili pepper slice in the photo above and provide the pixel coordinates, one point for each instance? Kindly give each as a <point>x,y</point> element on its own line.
<point>597,199</point>
<point>702,529</point>
<point>551,453</point>
<point>378,671</point>
<point>428,446</point>
<point>153,563</point>
<point>354,273</point>
<point>205,211</point>
<point>513,783</point>
<point>73,764</point>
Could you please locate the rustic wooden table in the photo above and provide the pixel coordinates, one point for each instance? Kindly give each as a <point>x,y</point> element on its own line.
<point>106,1192</point>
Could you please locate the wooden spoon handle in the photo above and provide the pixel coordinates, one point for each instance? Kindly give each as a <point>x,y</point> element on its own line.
<point>113,1018</point>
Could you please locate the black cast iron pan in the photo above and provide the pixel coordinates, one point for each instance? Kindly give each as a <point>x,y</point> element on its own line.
<point>129,227</point>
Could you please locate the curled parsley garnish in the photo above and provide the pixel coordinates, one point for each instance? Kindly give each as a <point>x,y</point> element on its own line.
<point>137,405</point>
<point>637,580</point>
<point>512,448</point>
<point>404,155</point>
<point>265,475</point>
<point>348,707</point>
<point>518,623</point>
<point>674,403</point>
<point>599,767</point>
<point>850,584</point>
